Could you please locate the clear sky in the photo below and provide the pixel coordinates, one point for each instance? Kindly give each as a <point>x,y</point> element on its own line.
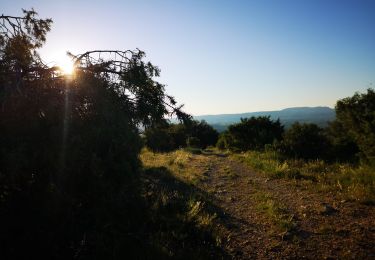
<point>227,56</point>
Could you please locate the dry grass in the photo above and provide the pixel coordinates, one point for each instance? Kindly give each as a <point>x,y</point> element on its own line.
<point>354,182</point>
<point>181,163</point>
<point>189,169</point>
<point>182,212</point>
<point>275,211</point>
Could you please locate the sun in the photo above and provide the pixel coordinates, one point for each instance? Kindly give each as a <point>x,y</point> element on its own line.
<point>66,66</point>
<point>64,63</point>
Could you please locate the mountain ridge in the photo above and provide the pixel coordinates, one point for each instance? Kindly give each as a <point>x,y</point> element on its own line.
<point>319,115</point>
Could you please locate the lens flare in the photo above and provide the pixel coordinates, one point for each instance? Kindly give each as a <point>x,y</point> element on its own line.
<point>65,63</point>
<point>67,67</point>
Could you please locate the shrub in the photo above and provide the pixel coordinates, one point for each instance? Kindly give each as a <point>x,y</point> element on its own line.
<point>305,141</point>
<point>159,139</point>
<point>167,137</point>
<point>343,147</point>
<point>356,114</point>
<point>193,142</point>
<point>253,133</point>
<point>205,133</point>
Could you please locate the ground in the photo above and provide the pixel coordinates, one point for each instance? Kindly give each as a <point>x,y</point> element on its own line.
<point>266,218</point>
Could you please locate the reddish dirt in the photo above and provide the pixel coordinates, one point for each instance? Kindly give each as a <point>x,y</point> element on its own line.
<point>326,227</point>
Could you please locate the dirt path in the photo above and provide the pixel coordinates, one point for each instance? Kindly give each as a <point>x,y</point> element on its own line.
<point>281,218</point>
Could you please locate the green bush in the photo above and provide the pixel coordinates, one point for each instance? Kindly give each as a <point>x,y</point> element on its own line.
<point>356,114</point>
<point>221,143</point>
<point>343,147</point>
<point>168,137</point>
<point>305,141</point>
<point>159,139</point>
<point>193,142</point>
<point>252,134</point>
<point>206,134</point>
<point>225,141</point>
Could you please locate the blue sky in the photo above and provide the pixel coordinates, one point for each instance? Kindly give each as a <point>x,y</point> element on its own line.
<point>227,56</point>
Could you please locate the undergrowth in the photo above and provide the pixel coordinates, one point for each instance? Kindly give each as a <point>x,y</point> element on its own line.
<point>182,218</point>
<point>179,162</point>
<point>275,211</point>
<point>355,182</point>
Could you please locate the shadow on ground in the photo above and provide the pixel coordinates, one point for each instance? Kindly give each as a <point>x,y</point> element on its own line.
<point>182,220</point>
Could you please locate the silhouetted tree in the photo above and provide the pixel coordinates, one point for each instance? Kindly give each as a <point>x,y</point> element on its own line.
<point>167,137</point>
<point>356,115</point>
<point>253,133</point>
<point>159,138</point>
<point>179,134</point>
<point>206,134</point>
<point>70,145</point>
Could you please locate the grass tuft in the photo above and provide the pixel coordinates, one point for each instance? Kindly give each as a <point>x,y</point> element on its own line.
<point>275,211</point>
<point>355,182</point>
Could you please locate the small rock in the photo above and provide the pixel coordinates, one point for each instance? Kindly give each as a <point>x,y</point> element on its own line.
<point>286,235</point>
<point>326,209</point>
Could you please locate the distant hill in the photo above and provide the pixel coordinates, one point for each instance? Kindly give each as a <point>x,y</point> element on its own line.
<point>317,115</point>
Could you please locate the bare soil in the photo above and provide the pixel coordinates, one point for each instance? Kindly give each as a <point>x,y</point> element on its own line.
<point>324,225</point>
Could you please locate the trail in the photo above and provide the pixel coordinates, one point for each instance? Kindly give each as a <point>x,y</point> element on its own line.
<point>321,225</point>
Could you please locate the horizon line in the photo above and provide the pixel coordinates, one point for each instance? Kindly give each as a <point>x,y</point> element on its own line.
<point>260,111</point>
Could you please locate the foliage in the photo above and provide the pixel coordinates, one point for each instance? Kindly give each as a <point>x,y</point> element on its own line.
<point>205,133</point>
<point>193,142</point>
<point>19,40</point>
<point>306,141</point>
<point>252,133</point>
<point>225,141</point>
<point>167,137</point>
<point>356,114</point>
<point>159,139</point>
<point>343,148</point>
<point>69,147</point>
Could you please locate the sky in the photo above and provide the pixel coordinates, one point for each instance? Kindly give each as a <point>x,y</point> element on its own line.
<point>221,57</point>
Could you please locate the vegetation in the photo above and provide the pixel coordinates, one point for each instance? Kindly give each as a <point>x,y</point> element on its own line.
<point>356,115</point>
<point>75,182</point>
<point>326,157</point>
<point>353,182</point>
<point>205,133</point>
<point>181,219</point>
<point>70,171</point>
<point>342,147</point>
<point>306,141</point>
<point>251,134</point>
<point>345,139</point>
<point>164,137</point>
<point>168,137</point>
<point>270,209</point>
<point>274,210</point>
